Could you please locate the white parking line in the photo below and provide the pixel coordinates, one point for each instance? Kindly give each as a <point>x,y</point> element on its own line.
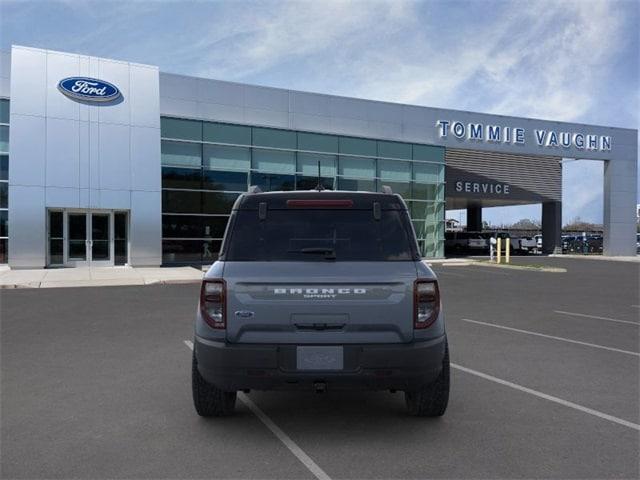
<point>562,339</point>
<point>551,398</point>
<point>280,435</point>
<point>608,319</point>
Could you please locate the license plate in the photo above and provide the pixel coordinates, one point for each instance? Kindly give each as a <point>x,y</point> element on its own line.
<point>320,358</point>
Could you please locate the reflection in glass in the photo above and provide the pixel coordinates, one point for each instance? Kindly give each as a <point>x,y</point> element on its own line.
<point>100,237</point>
<point>77,236</point>
<point>270,182</point>
<point>120,245</point>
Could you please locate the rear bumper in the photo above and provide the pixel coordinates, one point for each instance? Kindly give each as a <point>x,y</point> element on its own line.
<point>273,367</point>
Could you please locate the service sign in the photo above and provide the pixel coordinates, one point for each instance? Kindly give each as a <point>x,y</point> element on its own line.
<point>88,89</point>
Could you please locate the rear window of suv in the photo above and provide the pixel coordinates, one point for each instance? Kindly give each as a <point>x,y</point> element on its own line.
<point>320,235</point>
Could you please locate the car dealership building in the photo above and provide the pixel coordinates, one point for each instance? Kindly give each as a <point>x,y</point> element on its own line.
<point>107,162</point>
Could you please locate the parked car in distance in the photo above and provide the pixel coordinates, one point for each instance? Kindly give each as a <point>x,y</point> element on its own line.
<point>317,290</point>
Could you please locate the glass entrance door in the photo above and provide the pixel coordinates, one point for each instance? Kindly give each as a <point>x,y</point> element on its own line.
<point>79,238</point>
<point>100,241</point>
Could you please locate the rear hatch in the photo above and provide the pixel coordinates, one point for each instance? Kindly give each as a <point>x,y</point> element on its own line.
<point>320,271</point>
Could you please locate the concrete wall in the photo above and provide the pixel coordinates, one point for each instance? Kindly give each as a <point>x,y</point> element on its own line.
<point>71,154</point>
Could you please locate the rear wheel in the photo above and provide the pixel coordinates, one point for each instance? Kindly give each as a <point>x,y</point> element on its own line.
<point>431,400</point>
<point>209,400</point>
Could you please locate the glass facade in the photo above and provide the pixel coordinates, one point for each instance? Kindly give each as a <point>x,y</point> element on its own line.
<point>206,165</point>
<point>4,180</point>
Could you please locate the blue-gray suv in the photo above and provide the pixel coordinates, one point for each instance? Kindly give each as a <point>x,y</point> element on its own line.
<point>320,290</point>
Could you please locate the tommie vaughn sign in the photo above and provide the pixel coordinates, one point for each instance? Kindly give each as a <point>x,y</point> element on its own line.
<point>478,132</point>
<point>88,89</point>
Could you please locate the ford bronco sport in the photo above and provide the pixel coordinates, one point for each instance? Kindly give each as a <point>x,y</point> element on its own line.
<point>320,290</point>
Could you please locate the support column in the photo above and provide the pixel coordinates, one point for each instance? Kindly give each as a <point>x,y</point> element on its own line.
<point>551,227</point>
<point>474,218</point>
<point>620,191</point>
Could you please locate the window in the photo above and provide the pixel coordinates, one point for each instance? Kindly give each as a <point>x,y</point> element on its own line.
<point>425,191</point>
<point>356,185</point>
<point>205,165</point>
<point>224,133</point>
<point>4,111</point>
<point>227,158</point>
<point>180,153</point>
<point>121,247</point>
<point>396,171</point>
<point>428,173</point>
<point>190,178</point>
<point>274,161</point>
<point>4,139</point>
<point>311,183</point>
<point>358,146</point>
<point>321,235</point>
<point>182,129</point>
<point>4,223</point>
<point>355,167</point>
<point>218,202</point>
<point>216,180</point>
<point>183,251</point>
<point>213,227</point>
<point>427,153</point>
<point>4,167</point>
<point>394,150</point>
<point>271,137</point>
<point>272,182</point>
<point>317,143</point>
<point>4,195</point>
<point>181,226</point>
<point>176,201</point>
<point>308,164</point>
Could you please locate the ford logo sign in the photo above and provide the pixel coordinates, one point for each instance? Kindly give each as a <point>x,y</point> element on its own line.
<point>89,89</point>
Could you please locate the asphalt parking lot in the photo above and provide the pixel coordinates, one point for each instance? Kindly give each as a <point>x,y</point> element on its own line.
<point>96,384</point>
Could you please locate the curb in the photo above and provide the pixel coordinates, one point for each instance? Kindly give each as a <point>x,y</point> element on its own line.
<point>64,284</point>
<point>521,267</point>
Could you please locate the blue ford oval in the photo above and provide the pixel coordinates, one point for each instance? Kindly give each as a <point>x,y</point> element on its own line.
<point>89,89</point>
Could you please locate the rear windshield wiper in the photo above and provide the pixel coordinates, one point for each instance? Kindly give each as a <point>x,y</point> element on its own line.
<point>329,253</point>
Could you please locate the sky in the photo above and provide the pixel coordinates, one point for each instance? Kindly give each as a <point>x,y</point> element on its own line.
<point>558,60</point>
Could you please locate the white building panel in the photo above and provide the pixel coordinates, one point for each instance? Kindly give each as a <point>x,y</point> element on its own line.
<point>145,155</point>
<point>63,153</point>
<point>28,81</point>
<point>59,66</point>
<point>27,142</point>
<point>28,226</point>
<point>115,156</point>
<point>144,98</point>
<point>222,93</point>
<point>116,73</point>
<point>62,197</point>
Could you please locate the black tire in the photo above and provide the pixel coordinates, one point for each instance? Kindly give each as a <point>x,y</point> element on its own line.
<point>209,400</point>
<point>432,399</point>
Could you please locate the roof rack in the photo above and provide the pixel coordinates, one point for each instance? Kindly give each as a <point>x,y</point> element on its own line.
<point>387,189</point>
<point>254,189</point>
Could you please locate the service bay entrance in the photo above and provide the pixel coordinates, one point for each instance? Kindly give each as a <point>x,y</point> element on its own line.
<point>82,238</point>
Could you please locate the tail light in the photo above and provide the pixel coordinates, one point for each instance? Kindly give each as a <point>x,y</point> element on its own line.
<point>213,303</point>
<point>426,303</point>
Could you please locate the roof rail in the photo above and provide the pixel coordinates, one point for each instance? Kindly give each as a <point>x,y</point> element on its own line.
<point>387,189</point>
<point>254,189</point>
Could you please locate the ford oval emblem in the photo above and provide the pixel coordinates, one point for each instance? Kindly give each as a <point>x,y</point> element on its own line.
<point>244,314</point>
<point>89,89</point>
